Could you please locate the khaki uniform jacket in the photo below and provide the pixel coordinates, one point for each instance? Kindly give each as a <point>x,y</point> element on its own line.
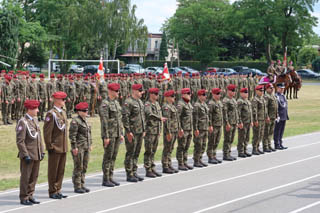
<point>55,131</point>
<point>28,138</point>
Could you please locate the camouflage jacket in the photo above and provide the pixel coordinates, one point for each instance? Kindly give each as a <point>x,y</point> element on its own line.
<point>80,133</point>
<point>172,124</point>
<point>230,111</point>
<point>272,105</point>
<point>216,113</point>
<point>259,109</point>
<point>153,118</point>
<point>133,116</point>
<point>245,111</point>
<point>185,115</point>
<point>201,116</point>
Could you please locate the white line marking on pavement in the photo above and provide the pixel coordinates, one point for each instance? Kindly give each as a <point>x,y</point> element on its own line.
<point>256,194</point>
<point>306,207</point>
<point>207,184</point>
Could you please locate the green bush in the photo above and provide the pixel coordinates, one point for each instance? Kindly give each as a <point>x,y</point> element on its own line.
<point>316,64</point>
<point>306,55</point>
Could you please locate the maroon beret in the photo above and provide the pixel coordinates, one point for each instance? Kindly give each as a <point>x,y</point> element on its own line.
<point>259,87</point>
<point>52,75</point>
<point>185,90</point>
<point>59,95</point>
<point>136,86</point>
<point>168,93</point>
<point>82,106</point>
<point>71,77</point>
<point>8,77</point>
<point>231,87</point>
<point>216,90</point>
<point>269,85</point>
<point>3,71</point>
<point>33,75</point>
<point>86,77</point>
<point>41,75</point>
<point>114,86</point>
<point>15,76</point>
<point>31,104</point>
<point>59,76</point>
<point>201,92</point>
<point>153,90</point>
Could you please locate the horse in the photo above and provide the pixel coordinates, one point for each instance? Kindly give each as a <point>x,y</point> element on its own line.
<point>295,84</point>
<point>284,78</point>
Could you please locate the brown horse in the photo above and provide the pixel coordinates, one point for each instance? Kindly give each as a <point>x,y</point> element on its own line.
<point>284,78</point>
<point>295,84</point>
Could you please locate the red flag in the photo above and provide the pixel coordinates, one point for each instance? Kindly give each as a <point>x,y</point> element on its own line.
<point>285,58</point>
<point>101,64</point>
<point>165,73</point>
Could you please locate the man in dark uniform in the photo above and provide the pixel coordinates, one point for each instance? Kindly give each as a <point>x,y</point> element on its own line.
<point>30,151</point>
<point>282,118</point>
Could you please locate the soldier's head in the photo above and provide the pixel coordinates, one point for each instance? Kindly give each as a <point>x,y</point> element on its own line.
<point>280,88</point>
<point>82,109</point>
<point>32,107</point>
<point>59,99</point>
<point>8,78</point>
<point>113,90</point>
<point>186,94</point>
<point>52,77</point>
<point>153,94</point>
<point>71,79</point>
<point>33,77</point>
<point>244,93</point>
<point>137,91</point>
<point>202,95</point>
<point>169,96</point>
<point>41,77</point>
<point>269,88</point>
<point>231,90</point>
<point>216,93</point>
<point>259,90</point>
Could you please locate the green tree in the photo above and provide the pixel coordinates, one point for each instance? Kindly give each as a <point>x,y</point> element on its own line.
<point>316,64</point>
<point>306,55</point>
<point>163,47</point>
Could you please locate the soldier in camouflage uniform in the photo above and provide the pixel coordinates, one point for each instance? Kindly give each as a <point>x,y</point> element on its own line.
<point>154,121</point>
<point>111,132</point>
<point>170,131</point>
<point>201,124</point>
<point>245,120</point>
<point>41,85</point>
<point>70,89</point>
<point>260,116</point>
<point>123,89</point>
<point>60,83</point>
<point>85,91</point>
<point>272,107</point>
<point>178,85</point>
<point>231,121</point>
<point>135,126</point>
<point>216,121</point>
<point>185,110</point>
<point>7,100</point>
<point>32,91</point>
<point>78,83</point>
<point>50,88</point>
<point>20,94</point>
<point>81,141</point>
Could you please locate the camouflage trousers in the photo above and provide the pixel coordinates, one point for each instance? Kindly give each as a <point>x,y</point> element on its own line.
<point>200,144</point>
<point>150,146</point>
<point>257,136</point>
<point>50,105</point>
<point>80,163</point>
<point>243,138</point>
<point>42,108</point>
<point>70,106</point>
<point>6,112</point>
<point>133,150</point>
<point>109,158</point>
<point>183,147</point>
<point>213,142</point>
<point>228,139</point>
<point>268,134</point>
<point>168,147</point>
<point>19,107</point>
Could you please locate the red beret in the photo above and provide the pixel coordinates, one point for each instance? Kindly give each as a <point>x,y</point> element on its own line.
<point>245,90</point>
<point>260,87</point>
<point>153,90</point>
<point>41,75</point>
<point>193,74</point>
<point>78,76</point>
<point>33,75</point>
<point>201,92</point>
<point>8,77</point>
<point>269,85</point>
<point>86,77</point>
<point>168,93</point>
<point>59,76</point>
<point>82,106</point>
<point>185,90</point>
<point>3,71</point>
<point>52,75</point>
<point>231,87</point>
<point>216,90</point>
<point>31,104</point>
<point>114,86</point>
<point>59,95</point>
<point>136,86</point>
<point>15,76</point>
<point>71,77</point>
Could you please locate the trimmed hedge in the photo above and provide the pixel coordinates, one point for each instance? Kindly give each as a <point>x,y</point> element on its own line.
<point>220,64</point>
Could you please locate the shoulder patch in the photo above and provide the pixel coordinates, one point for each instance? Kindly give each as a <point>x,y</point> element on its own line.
<point>147,105</point>
<point>47,118</point>
<point>20,128</point>
<point>74,122</point>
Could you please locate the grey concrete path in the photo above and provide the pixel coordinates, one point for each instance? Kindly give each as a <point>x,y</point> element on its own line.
<point>283,181</point>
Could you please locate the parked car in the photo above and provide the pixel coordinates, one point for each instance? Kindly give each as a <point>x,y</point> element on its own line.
<point>189,70</point>
<point>254,72</point>
<point>132,68</point>
<point>93,69</point>
<point>33,68</point>
<point>239,68</point>
<point>175,70</point>
<point>306,73</point>
<point>153,70</point>
<point>212,69</point>
<point>226,71</point>
<point>76,69</point>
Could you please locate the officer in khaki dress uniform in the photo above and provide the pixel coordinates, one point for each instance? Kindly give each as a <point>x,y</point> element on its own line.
<point>135,126</point>
<point>201,125</point>
<point>170,131</point>
<point>111,132</point>
<point>154,121</point>
<point>216,120</point>
<point>30,152</point>
<point>245,120</point>
<point>81,141</point>
<point>56,140</point>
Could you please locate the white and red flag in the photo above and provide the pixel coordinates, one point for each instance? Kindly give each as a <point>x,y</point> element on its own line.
<point>101,69</point>
<point>165,73</point>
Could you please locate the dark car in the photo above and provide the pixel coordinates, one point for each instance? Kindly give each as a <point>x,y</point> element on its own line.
<point>226,71</point>
<point>189,70</point>
<point>93,69</point>
<point>306,73</point>
<point>254,72</point>
<point>239,68</point>
<point>175,70</point>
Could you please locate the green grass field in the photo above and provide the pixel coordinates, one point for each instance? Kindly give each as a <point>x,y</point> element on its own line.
<point>304,118</point>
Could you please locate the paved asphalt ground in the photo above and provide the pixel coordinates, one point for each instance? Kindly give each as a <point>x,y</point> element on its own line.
<point>283,181</point>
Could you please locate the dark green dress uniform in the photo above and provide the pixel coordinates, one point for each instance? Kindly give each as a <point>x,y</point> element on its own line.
<point>133,121</point>
<point>111,128</point>
<point>153,129</point>
<point>201,123</point>
<point>245,117</point>
<point>170,126</point>
<point>272,107</point>
<point>80,138</point>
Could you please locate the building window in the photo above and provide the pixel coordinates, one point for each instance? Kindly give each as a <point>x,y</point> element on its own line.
<point>156,46</point>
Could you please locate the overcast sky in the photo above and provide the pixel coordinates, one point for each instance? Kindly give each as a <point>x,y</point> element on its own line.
<point>155,12</point>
